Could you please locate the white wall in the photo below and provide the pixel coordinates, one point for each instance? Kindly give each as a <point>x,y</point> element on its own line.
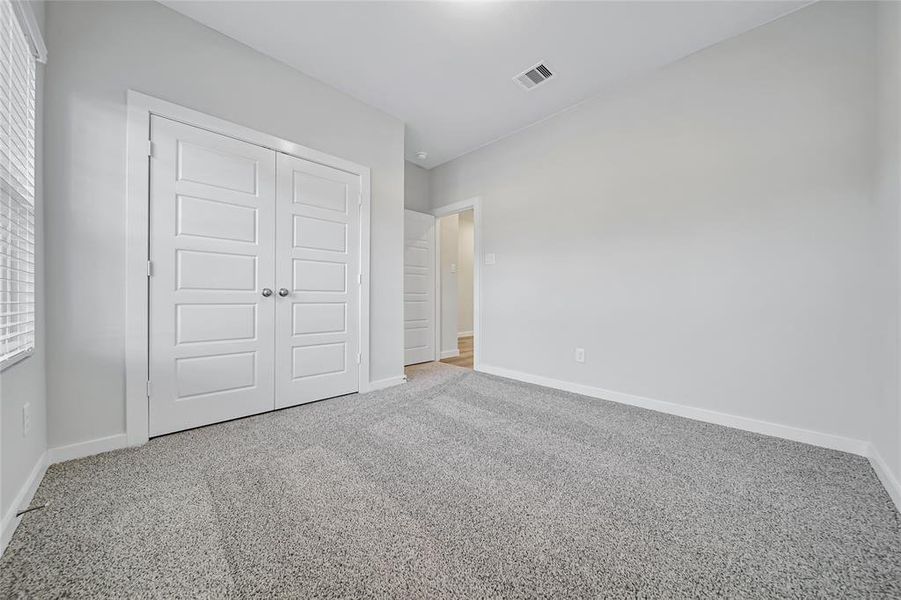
<point>416,188</point>
<point>100,50</point>
<point>465,247</point>
<point>448,241</point>
<point>24,382</point>
<point>887,427</point>
<point>705,231</point>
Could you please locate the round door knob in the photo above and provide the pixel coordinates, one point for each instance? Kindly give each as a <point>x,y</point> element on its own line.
<point>266,292</point>
<point>283,292</point>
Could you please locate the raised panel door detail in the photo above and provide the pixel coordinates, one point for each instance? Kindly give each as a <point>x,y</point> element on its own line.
<point>415,256</point>
<point>319,234</point>
<point>320,192</point>
<point>214,322</point>
<point>320,317</point>
<point>214,219</point>
<point>417,338</point>
<point>319,276</point>
<point>209,166</point>
<point>417,283</point>
<point>417,310</point>
<point>199,270</point>
<point>321,359</point>
<point>218,373</point>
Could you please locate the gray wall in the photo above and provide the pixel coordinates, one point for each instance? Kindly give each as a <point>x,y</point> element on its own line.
<point>887,427</point>
<point>706,232</point>
<point>100,50</point>
<point>24,382</point>
<point>416,188</point>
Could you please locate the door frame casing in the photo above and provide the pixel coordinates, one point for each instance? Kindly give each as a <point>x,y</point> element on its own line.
<point>137,307</point>
<point>474,204</point>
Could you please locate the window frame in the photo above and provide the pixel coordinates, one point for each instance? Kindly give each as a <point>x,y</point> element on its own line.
<point>23,14</point>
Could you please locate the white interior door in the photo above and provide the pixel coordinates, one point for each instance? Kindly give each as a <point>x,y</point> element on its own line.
<point>317,336</point>
<point>212,216</point>
<point>419,287</point>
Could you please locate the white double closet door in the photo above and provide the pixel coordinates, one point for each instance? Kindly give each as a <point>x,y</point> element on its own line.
<point>254,279</point>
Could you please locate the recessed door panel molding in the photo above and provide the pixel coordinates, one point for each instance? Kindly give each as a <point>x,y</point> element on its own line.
<point>215,323</point>
<point>214,219</point>
<point>418,312</point>
<point>328,192</point>
<point>203,375</point>
<point>319,317</point>
<point>319,276</point>
<point>418,282</point>
<point>318,239</point>
<point>206,270</point>
<point>417,255</point>
<point>319,360</point>
<point>320,234</point>
<point>212,249</point>
<point>419,287</point>
<point>209,165</point>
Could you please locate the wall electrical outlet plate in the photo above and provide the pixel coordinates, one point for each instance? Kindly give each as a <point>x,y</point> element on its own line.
<point>489,258</point>
<point>580,355</point>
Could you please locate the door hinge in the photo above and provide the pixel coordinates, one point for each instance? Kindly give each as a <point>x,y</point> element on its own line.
<point>360,278</point>
<point>148,388</point>
<point>149,268</point>
<point>359,357</point>
<point>360,199</point>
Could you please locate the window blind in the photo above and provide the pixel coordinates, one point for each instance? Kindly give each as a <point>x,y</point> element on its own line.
<point>17,141</point>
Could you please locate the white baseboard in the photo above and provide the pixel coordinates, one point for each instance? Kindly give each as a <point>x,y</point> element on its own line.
<point>88,448</point>
<point>464,334</point>
<point>449,354</point>
<point>806,436</point>
<point>387,382</point>
<point>22,500</point>
<point>889,481</point>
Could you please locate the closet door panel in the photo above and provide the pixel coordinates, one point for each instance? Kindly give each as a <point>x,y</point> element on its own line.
<point>318,272</point>
<point>212,249</point>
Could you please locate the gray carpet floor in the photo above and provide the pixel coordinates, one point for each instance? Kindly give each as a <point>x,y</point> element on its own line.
<point>459,484</point>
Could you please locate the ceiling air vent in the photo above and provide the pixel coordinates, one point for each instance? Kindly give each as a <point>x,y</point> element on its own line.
<point>534,76</point>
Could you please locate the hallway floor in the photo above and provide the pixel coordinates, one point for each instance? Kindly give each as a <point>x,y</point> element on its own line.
<point>465,345</point>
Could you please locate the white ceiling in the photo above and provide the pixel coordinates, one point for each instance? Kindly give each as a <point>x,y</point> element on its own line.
<point>446,68</point>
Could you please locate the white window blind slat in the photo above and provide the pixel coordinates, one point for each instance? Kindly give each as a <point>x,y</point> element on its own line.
<point>17,152</point>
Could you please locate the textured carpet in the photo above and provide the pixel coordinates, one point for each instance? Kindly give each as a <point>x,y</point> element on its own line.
<point>465,485</point>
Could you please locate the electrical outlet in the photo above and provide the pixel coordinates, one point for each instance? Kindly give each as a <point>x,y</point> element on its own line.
<point>26,418</point>
<point>489,258</point>
<point>580,355</point>
<point>453,267</point>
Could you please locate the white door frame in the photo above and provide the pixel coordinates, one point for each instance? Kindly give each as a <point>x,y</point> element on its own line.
<point>140,108</point>
<point>474,203</point>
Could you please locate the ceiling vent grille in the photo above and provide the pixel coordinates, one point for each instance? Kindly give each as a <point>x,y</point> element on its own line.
<point>534,76</point>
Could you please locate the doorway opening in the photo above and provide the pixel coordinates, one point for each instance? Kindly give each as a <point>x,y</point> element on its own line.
<point>442,283</point>
<point>456,252</point>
